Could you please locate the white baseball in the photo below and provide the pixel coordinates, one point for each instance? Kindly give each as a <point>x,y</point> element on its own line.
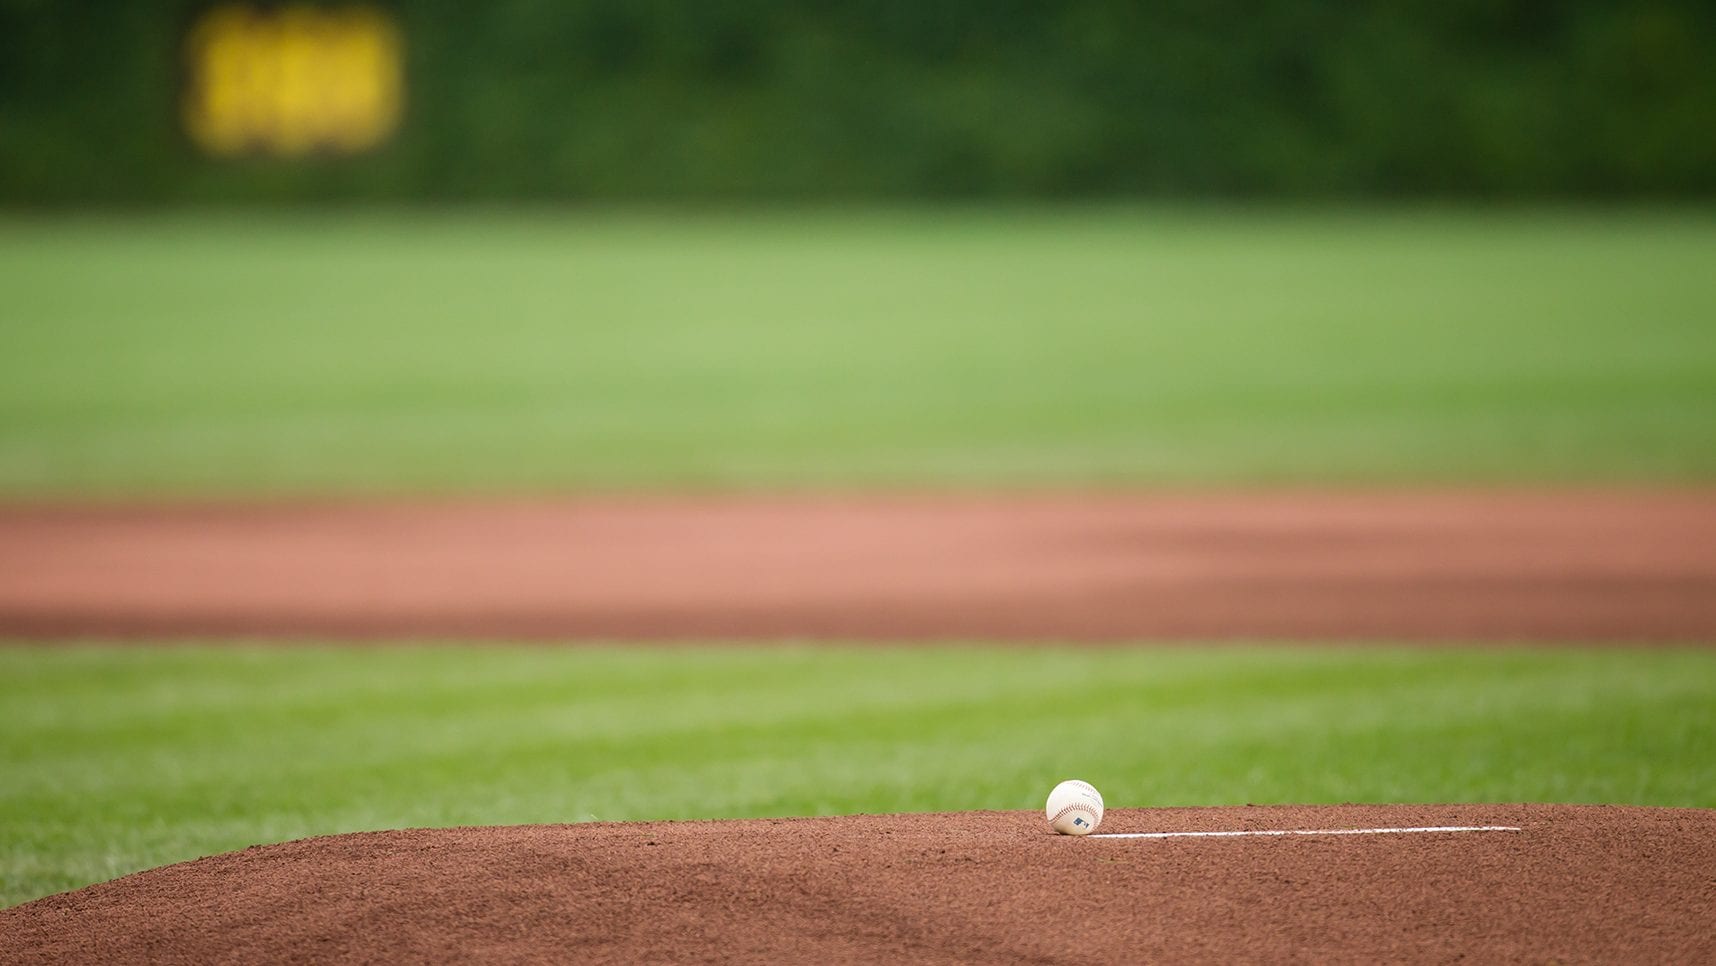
<point>1074,808</point>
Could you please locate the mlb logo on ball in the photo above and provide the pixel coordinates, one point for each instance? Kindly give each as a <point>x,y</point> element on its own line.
<point>1078,821</point>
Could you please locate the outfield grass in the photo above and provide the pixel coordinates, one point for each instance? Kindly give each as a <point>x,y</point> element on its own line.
<point>117,759</point>
<point>266,352</point>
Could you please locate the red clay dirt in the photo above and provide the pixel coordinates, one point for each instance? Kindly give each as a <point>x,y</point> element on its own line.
<point>1513,565</point>
<point>1575,884</point>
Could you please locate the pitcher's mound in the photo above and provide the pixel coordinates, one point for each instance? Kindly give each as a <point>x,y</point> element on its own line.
<point>1572,883</point>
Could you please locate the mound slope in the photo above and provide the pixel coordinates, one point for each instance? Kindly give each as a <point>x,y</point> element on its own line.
<point>1574,884</point>
<point>1421,565</point>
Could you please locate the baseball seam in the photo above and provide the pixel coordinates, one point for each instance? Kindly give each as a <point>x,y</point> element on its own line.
<point>1085,807</point>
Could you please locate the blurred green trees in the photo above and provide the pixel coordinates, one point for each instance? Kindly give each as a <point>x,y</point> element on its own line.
<point>797,99</point>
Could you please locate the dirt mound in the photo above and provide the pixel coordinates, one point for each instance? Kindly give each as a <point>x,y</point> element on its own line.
<point>1572,884</point>
<point>1414,565</point>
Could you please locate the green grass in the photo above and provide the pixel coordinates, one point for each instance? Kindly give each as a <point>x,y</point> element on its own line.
<point>117,759</point>
<point>265,352</point>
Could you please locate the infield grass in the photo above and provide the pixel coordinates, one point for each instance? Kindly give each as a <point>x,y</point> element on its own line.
<point>257,353</point>
<point>114,759</point>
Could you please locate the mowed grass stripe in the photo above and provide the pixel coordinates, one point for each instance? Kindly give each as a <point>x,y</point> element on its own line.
<point>279,353</point>
<point>119,758</point>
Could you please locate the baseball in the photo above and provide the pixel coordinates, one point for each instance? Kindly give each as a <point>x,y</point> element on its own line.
<point>1074,808</point>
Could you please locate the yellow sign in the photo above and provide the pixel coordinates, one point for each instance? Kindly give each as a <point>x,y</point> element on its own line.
<point>291,81</point>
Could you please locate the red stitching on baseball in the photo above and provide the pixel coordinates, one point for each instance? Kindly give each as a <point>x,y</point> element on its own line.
<point>1095,819</point>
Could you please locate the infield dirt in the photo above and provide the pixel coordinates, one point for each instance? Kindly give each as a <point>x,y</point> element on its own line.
<point>1574,884</point>
<point>1416,565</point>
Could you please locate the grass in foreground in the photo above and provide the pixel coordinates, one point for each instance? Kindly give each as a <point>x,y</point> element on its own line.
<point>119,759</point>
<point>263,352</point>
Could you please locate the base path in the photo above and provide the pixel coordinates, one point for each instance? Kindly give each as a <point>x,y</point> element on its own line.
<point>1613,566</point>
<point>1573,884</point>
